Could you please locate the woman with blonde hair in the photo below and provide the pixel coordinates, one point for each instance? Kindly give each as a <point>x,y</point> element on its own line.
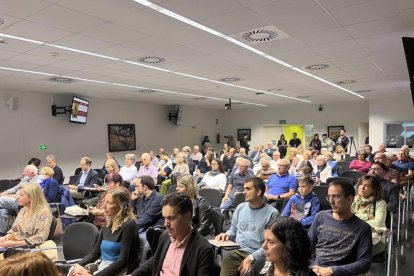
<point>201,209</point>
<point>32,224</point>
<point>339,153</point>
<point>180,168</point>
<point>50,187</point>
<point>117,244</point>
<point>28,263</point>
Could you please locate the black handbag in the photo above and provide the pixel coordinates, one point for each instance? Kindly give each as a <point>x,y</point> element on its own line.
<point>153,236</point>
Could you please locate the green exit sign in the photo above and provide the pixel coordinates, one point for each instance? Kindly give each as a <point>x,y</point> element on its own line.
<point>42,147</point>
<point>282,122</point>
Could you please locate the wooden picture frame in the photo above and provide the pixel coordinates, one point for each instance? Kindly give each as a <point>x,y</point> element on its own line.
<point>243,131</point>
<point>334,132</point>
<point>121,137</point>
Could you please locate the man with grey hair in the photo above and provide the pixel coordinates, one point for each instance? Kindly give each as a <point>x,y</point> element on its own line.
<point>236,182</point>
<point>147,168</point>
<point>196,155</point>
<point>281,185</point>
<point>8,198</point>
<point>52,163</point>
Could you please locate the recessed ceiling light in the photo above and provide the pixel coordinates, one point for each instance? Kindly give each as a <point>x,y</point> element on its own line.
<point>3,40</point>
<point>151,60</point>
<point>232,79</point>
<point>303,97</point>
<point>259,93</point>
<point>346,82</point>
<point>317,66</point>
<point>147,91</point>
<point>364,91</point>
<point>61,79</point>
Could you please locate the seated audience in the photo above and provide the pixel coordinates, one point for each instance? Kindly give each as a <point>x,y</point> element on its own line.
<point>360,164</point>
<point>108,156</point>
<point>236,182</point>
<point>295,161</point>
<point>196,155</point>
<point>50,187</point>
<point>148,204</point>
<point>204,165</point>
<point>316,143</point>
<point>304,205</point>
<point>110,167</point>
<point>269,149</point>
<point>35,161</point>
<point>341,242</point>
<point>265,171</point>
<point>181,249</point>
<point>339,153</point>
<point>117,242</point>
<point>229,160</point>
<point>331,163</point>
<point>323,171</point>
<point>369,207</point>
<point>201,209</point>
<point>8,199</point>
<point>129,170</point>
<point>286,248</point>
<point>326,143</point>
<point>281,185</point>
<point>87,178</point>
<point>368,153</point>
<point>147,168</point>
<point>32,224</point>
<point>380,149</point>
<point>113,180</point>
<point>257,166</point>
<point>274,163</point>
<point>214,179</point>
<point>390,190</point>
<point>180,168</point>
<point>255,155</point>
<point>176,151</point>
<point>57,172</point>
<point>404,166</point>
<point>165,167</point>
<point>247,227</point>
<point>154,159</point>
<point>28,263</point>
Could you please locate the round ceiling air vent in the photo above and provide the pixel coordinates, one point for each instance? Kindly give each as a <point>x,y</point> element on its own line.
<point>232,79</point>
<point>62,79</point>
<point>259,35</point>
<point>147,91</point>
<point>200,98</point>
<point>1,21</point>
<point>259,93</point>
<point>303,97</point>
<point>317,66</point>
<point>151,60</point>
<point>346,82</point>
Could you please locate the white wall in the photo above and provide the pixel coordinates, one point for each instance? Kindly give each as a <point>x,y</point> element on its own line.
<point>23,130</point>
<point>347,114</point>
<point>397,109</point>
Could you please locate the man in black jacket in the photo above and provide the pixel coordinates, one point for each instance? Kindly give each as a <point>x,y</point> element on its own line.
<point>181,249</point>
<point>51,162</point>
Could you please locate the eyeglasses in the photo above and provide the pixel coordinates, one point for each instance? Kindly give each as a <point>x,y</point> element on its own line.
<point>334,197</point>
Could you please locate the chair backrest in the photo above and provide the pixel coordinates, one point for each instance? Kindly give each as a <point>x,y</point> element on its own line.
<point>238,198</point>
<point>100,172</point>
<point>52,228</point>
<point>344,165</point>
<point>346,179</point>
<point>213,196</point>
<point>79,240</point>
<point>322,192</point>
<point>353,175</point>
<point>77,171</point>
<point>172,189</point>
<point>5,184</point>
<point>73,179</point>
<point>217,218</point>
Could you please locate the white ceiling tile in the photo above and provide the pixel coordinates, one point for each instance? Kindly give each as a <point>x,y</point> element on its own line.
<point>113,33</point>
<point>336,47</point>
<point>392,24</point>
<point>122,52</point>
<point>65,19</point>
<point>324,37</point>
<point>36,31</point>
<point>335,4</point>
<point>83,43</point>
<point>22,8</point>
<point>6,21</point>
<point>364,12</point>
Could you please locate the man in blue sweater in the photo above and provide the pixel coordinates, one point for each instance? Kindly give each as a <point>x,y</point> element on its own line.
<point>304,205</point>
<point>247,229</point>
<point>342,242</point>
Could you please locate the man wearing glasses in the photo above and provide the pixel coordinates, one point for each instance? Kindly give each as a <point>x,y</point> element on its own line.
<point>342,242</point>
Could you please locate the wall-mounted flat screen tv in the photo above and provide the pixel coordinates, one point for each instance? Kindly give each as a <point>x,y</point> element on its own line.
<point>79,110</point>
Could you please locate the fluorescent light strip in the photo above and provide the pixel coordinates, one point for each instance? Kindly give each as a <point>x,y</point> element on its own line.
<point>147,66</point>
<point>241,44</point>
<point>122,85</point>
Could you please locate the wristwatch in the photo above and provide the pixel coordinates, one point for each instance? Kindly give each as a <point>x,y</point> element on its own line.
<point>251,258</point>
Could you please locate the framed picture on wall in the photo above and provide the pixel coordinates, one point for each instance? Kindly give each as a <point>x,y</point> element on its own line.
<point>244,131</point>
<point>121,137</point>
<point>334,132</point>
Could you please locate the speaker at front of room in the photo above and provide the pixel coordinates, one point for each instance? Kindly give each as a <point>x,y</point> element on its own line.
<point>12,103</point>
<point>408,43</point>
